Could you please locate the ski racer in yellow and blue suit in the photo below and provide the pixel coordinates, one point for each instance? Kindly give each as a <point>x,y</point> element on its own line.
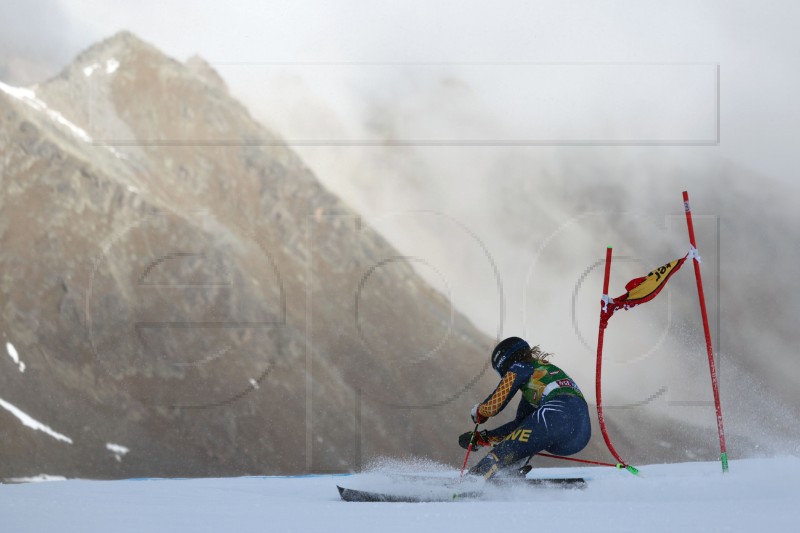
<point>552,414</point>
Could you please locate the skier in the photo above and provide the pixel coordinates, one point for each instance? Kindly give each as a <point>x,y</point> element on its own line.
<point>552,414</point>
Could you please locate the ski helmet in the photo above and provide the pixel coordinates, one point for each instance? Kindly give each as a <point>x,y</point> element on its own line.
<point>507,352</point>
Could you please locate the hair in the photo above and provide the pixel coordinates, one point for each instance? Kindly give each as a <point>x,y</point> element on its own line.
<point>536,354</point>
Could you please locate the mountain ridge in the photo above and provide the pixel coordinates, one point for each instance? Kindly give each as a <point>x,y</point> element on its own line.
<point>194,302</point>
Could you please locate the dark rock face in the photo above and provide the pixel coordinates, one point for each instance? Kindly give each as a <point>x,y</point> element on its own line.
<point>177,282</point>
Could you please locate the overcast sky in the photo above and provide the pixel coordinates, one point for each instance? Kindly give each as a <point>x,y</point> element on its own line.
<point>754,43</point>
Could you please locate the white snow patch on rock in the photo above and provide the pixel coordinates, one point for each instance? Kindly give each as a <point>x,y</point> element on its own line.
<point>118,450</point>
<point>32,423</point>
<point>28,97</point>
<point>37,479</point>
<point>12,353</point>
<point>111,66</point>
<point>88,71</point>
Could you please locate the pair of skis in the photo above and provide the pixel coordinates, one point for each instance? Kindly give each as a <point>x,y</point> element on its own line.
<point>454,490</point>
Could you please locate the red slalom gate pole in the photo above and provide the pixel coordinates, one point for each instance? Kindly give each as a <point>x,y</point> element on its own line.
<point>600,463</point>
<point>600,334</point>
<point>714,382</point>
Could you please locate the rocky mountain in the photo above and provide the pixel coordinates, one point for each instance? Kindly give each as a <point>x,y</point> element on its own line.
<point>182,297</point>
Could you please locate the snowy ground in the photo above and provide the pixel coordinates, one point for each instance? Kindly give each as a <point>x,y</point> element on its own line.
<point>757,495</point>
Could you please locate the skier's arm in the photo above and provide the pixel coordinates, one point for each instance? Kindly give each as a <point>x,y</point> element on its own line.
<point>497,401</point>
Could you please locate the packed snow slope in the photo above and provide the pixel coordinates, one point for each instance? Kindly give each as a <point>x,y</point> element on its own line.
<point>756,495</point>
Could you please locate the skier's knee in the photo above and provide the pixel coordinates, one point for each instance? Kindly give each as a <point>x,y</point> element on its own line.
<point>486,467</point>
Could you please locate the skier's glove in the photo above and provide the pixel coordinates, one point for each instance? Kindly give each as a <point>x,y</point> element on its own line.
<point>476,416</point>
<point>481,439</point>
<point>464,439</point>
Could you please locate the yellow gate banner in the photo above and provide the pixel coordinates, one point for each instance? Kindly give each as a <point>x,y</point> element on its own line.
<point>640,290</point>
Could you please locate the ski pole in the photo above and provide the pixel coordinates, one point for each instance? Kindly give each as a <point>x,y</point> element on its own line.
<point>469,449</point>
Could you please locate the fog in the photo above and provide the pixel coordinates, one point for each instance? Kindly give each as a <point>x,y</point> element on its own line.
<point>503,146</point>
<point>37,37</point>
